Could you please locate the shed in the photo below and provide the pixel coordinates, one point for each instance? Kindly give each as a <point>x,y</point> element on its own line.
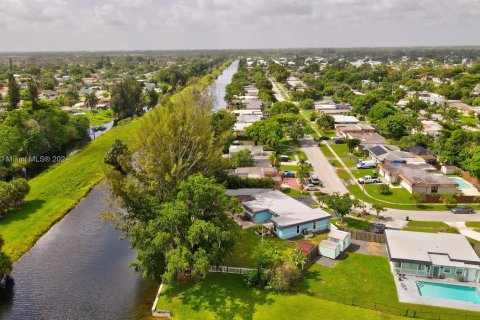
<point>307,248</point>
<point>341,237</point>
<point>447,169</point>
<point>329,249</point>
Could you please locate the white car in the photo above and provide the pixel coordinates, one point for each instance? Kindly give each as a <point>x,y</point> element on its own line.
<point>311,187</point>
<point>368,179</point>
<point>314,179</point>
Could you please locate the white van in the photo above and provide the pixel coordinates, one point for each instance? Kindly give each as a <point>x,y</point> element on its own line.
<point>367,164</point>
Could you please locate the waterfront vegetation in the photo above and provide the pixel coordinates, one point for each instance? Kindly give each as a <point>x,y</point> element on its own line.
<point>57,190</point>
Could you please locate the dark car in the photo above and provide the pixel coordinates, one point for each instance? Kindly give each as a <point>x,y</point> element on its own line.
<point>339,141</point>
<point>378,228</point>
<point>288,174</point>
<point>463,210</point>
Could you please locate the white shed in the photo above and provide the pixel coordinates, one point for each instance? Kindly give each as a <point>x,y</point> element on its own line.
<point>341,237</point>
<point>329,249</point>
<point>446,169</point>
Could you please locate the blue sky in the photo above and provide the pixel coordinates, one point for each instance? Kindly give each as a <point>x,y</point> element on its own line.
<point>49,25</point>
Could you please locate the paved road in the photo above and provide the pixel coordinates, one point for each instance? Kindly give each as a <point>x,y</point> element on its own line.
<point>322,168</point>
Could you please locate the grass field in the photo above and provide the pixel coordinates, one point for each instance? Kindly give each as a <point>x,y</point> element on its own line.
<point>326,151</point>
<point>302,156</point>
<point>471,121</point>
<point>101,117</point>
<point>429,226</point>
<point>473,224</point>
<point>222,296</point>
<point>355,224</point>
<point>296,193</point>
<point>293,167</point>
<point>341,150</point>
<point>57,190</point>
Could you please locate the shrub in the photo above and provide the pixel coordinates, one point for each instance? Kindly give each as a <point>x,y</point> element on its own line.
<point>384,189</point>
<point>286,278</point>
<point>235,182</point>
<point>12,195</point>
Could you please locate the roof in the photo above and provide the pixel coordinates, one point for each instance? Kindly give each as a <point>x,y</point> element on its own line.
<point>345,119</point>
<point>285,210</point>
<point>306,247</point>
<point>417,174</point>
<point>357,127</point>
<point>338,234</point>
<point>254,172</point>
<point>392,153</point>
<point>367,138</point>
<point>448,249</point>
<point>329,244</point>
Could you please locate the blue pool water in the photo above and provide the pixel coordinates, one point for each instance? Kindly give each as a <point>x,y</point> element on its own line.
<point>448,291</point>
<point>461,183</point>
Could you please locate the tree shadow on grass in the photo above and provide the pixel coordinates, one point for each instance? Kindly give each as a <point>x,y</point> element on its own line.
<point>224,295</point>
<point>28,208</point>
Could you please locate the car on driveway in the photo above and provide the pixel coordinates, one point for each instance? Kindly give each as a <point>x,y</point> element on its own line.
<point>321,138</point>
<point>288,174</point>
<point>368,179</point>
<point>314,179</point>
<point>284,158</point>
<point>310,187</point>
<point>378,228</point>
<point>463,210</point>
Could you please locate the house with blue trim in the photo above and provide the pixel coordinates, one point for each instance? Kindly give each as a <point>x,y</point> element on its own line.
<point>290,217</point>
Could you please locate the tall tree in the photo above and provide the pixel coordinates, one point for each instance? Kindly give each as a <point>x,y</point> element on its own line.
<point>33,93</point>
<point>91,101</point>
<point>127,98</point>
<point>13,92</point>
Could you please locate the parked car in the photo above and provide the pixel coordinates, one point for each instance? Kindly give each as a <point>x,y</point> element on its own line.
<point>368,179</point>
<point>322,138</point>
<point>378,228</point>
<point>311,187</point>
<point>284,158</point>
<point>463,210</point>
<point>288,174</point>
<point>366,164</point>
<point>339,140</point>
<point>314,179</point>
<point>307,163</point>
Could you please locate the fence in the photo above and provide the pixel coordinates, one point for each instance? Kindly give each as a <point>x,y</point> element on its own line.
<point>234,270</point>
<point>397,310</point>
<point>365,236</point>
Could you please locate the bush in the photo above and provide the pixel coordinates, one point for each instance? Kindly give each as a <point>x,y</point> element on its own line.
<point>286,278</point>
<point>235,182</point>
<point>12,195</point>
<point>384,189</point>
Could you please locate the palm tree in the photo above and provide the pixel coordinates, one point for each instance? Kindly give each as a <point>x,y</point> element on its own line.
<point>91,100</point>
<point>302,173</point>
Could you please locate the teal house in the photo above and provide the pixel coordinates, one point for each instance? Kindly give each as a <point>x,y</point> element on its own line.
<point>290,218</point>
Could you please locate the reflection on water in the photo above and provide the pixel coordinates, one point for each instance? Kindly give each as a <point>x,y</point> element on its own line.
<point>78,270</point>
<point>222,81</point>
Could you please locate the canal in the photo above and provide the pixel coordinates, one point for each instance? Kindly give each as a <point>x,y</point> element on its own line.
<point>79,269</point>
<point>220,84</point>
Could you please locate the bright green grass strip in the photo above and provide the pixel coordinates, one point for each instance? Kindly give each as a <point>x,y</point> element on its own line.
<point>473,224</point>
<point>296,193</point>
<point>355,224</point>
<point>341,150</point>
<point>326,151</point>
<point>293,167</point>
<point>224,296</point>
<point>302,156</point>
<point>58,190</point>
<point>100,117</point>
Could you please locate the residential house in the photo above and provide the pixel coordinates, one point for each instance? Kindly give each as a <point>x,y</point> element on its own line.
<point>431,128</point>
<point>464,108</point>
<point>367,140</point>
<point>290,218</point>
<point>391,153</point>
<point>261,158</point>
<point>344,129</point>
<point>432,255</point>
<point>342,119</point>
<point>254,172</point>
<point>337,241</point>
<point>423,153</point>
<point>253,104</point>
<point>417,178</point>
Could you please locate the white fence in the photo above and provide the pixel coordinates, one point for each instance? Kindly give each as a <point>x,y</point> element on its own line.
<point>225,269</point>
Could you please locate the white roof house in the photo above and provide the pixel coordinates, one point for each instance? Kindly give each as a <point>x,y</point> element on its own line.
<point>445,249</point>
<point>345,119</point>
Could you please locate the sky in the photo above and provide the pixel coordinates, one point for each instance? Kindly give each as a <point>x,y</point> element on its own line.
<point>96,25</point>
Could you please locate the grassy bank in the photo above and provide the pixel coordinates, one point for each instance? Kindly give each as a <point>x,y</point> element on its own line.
<point>100,117</point>
<point>59,189</point>
<point>222,296</point>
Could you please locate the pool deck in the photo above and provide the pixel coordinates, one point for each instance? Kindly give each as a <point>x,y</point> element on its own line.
<point>470,191</point>
<point>410,294</point>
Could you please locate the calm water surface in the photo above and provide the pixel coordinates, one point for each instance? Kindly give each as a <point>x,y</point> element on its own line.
<point>222,81</point>
<point>79,270</point>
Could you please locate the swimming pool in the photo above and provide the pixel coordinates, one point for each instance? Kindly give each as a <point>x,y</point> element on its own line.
<point>448,291</point>
<point>461,183</point>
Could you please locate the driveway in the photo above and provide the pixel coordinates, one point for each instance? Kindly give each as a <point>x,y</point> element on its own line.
<point>322,167</point>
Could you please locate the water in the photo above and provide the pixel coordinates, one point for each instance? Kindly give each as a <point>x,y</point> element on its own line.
<point>461,183</point>
<point>448,291</point>
<point>78,270</point>
<point>95,134</point>
<point>222,81</point>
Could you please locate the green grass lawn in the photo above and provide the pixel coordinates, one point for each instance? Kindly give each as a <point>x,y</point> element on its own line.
<point>471,121</point>
<point>223,296</point>
<point>327,133</point>
<point>336,163</point>
<point>341,150</point>
<point>101,117</point>
<point>291,155</point>
<point>349,163</point>
<point>342,174</point>
<point>355,224</point>
<point>429,226</point>
<point>293,167</point>
<point>397,195</point>
<point>302,156</point>
<point>326,151</point>
<point>57,190</point>
<point>246,241</point>
<point>473,224</point>
<point>296,193</point>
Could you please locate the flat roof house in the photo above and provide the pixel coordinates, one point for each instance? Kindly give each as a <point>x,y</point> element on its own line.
<point>344,129</point>
<point>437,255</point>
<point>423,153</point>
<point>417,178</point>
<point>391,153</point>
<point>345,119</point>
<point>290,218</point>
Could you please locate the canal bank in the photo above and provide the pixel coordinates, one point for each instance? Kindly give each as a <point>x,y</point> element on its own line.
<point>79,269</point>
